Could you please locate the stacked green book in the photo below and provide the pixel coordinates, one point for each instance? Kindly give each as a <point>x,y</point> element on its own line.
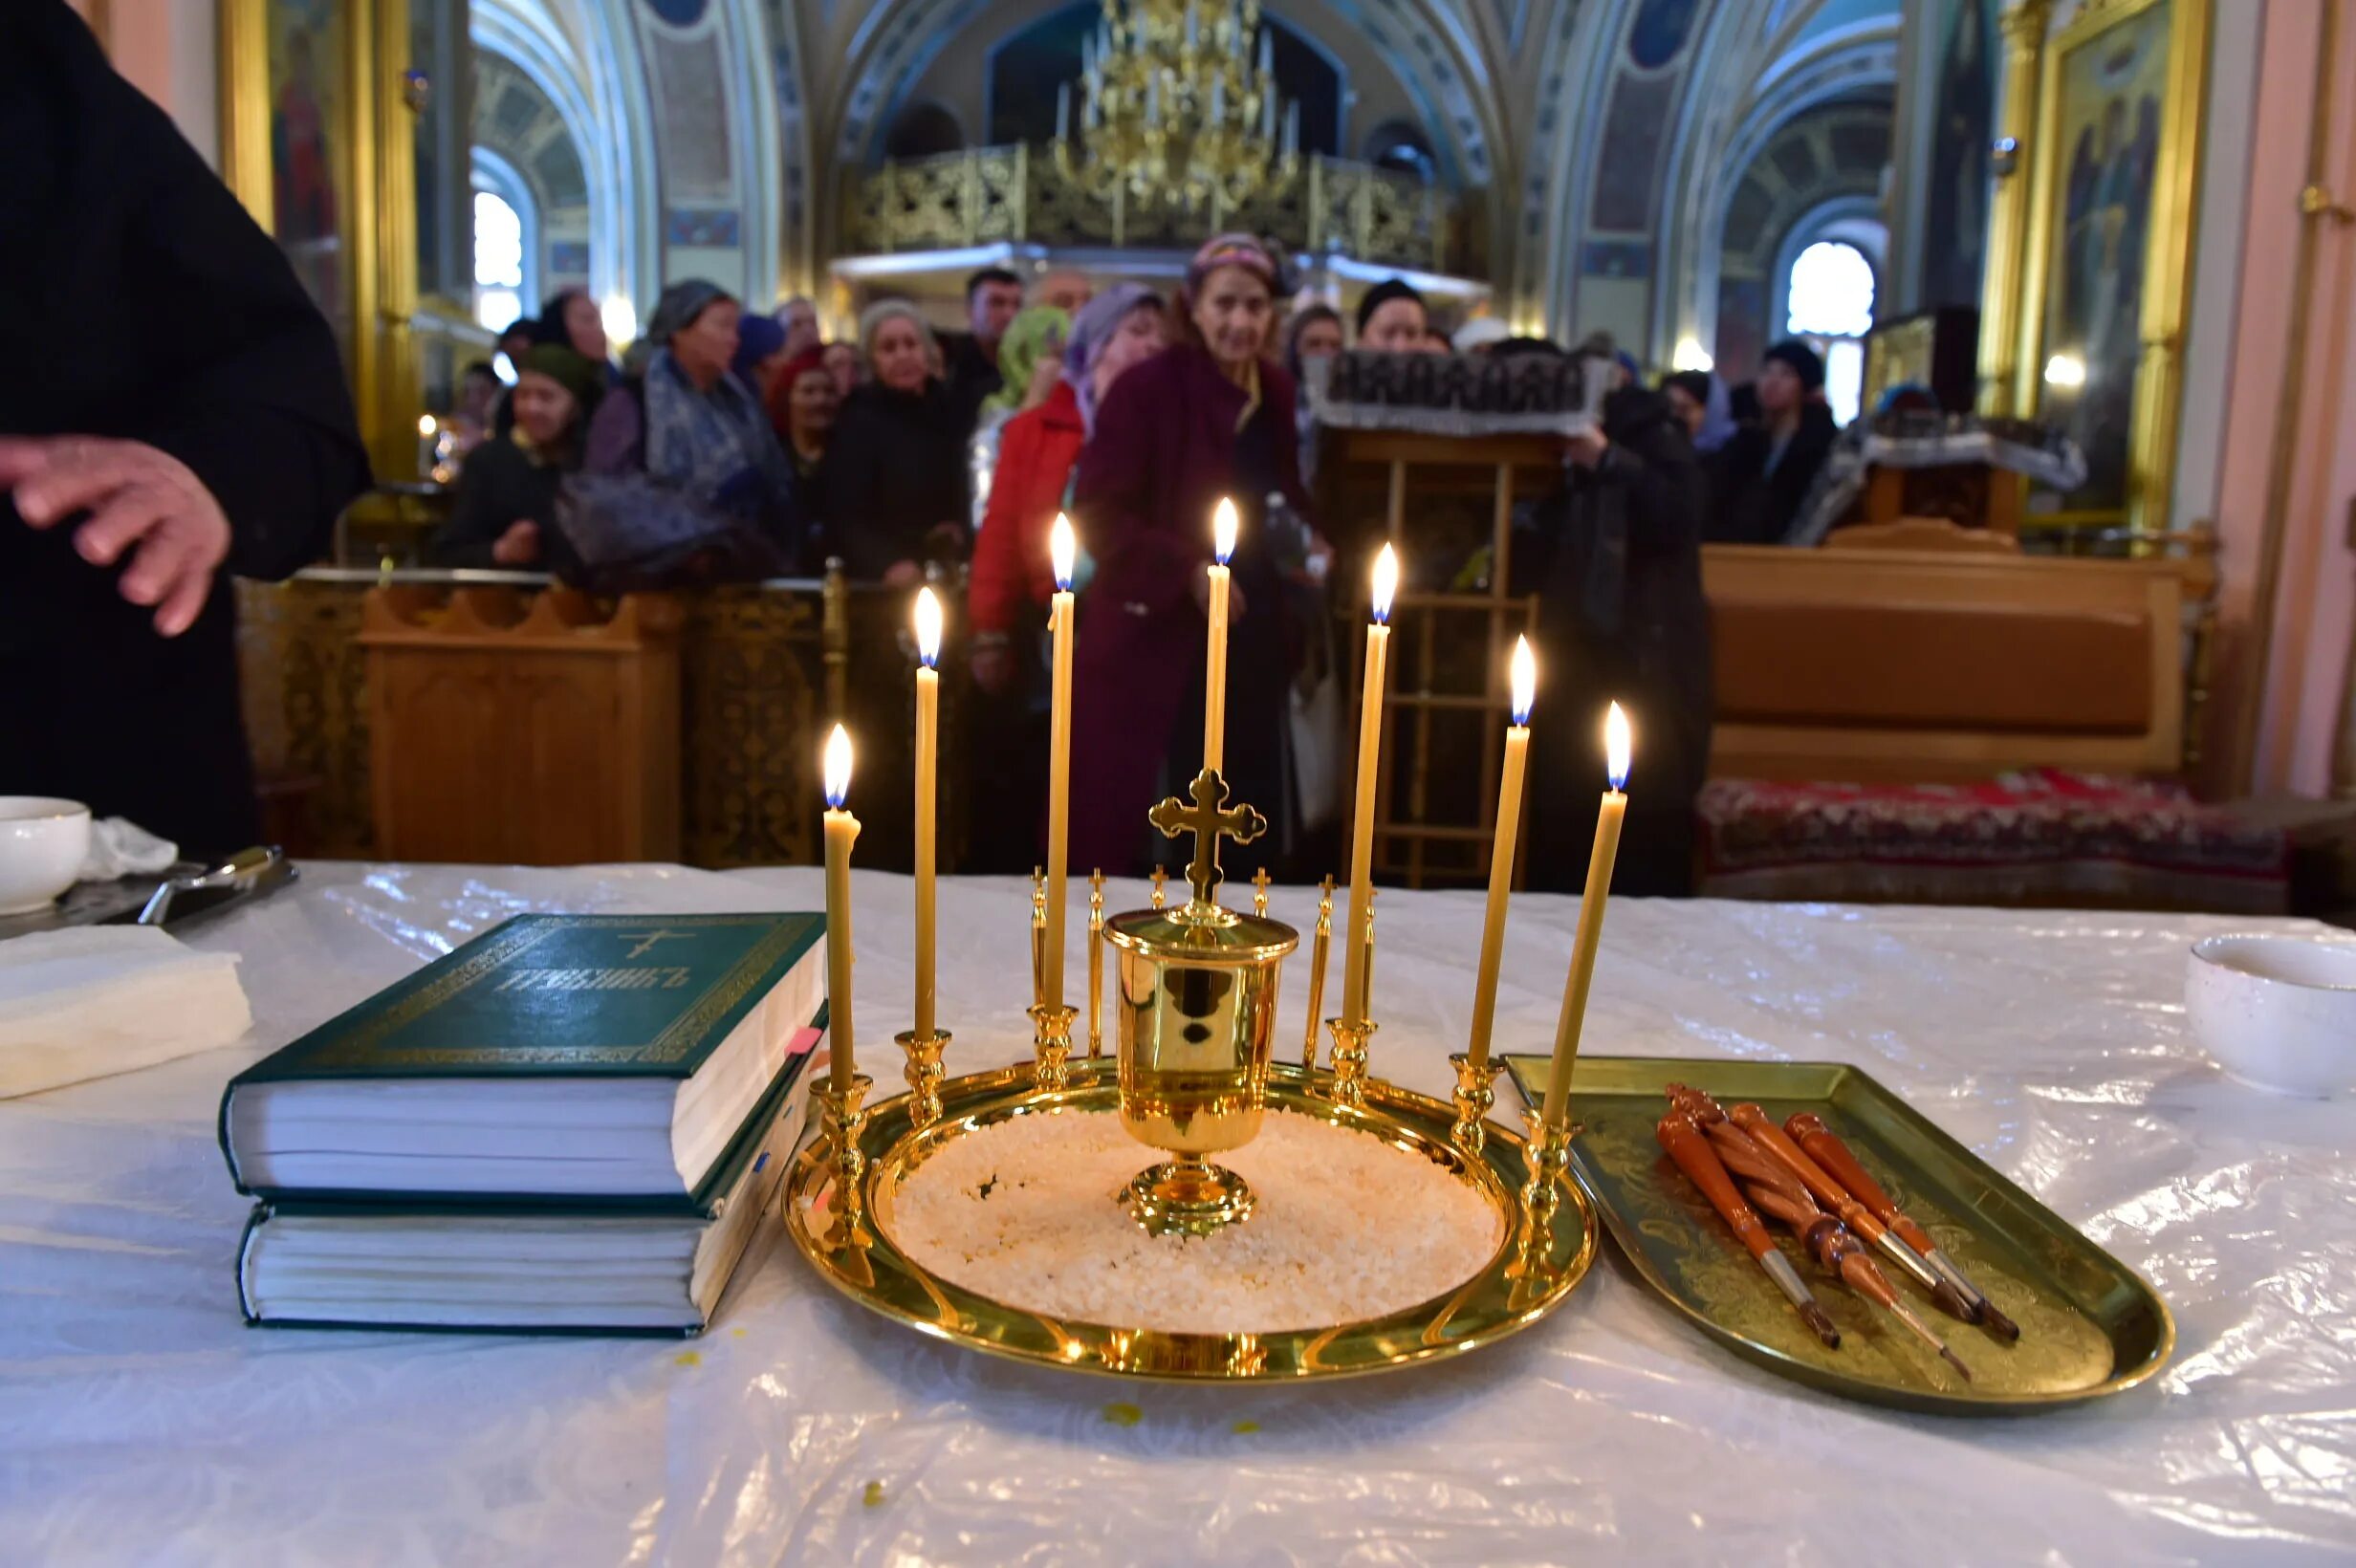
<point>570,1123</point>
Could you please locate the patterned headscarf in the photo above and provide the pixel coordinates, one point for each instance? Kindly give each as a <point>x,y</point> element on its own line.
<point>1032,336</point>
<point>1091,329</point>
<point>1244,250</point>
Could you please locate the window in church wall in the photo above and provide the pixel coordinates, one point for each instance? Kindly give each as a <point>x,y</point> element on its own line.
<point>499,293</point>
<point>1830,294</point>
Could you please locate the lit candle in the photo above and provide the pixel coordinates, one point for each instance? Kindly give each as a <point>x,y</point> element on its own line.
<point>841,832</point>
<point>1214,681</point>
<point>1369,773</point>
<point>1617,744</point>
<point>1501,851</point>
<point>426,425</point>
<point>927,766</point>
<point>1061,548</point>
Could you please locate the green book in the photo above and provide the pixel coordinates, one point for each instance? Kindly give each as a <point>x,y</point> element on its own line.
<point>555,1058</point>
<point>507,1267</point>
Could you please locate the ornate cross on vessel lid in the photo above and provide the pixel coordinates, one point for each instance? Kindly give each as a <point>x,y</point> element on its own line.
<point>1208,823</point>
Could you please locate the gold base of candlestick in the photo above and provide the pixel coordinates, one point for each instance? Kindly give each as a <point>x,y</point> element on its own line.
<point>1348,1084</point>
<point>1550,1159</point>
<point>841,1122</point>
<point>1187,1195</point>
<point>924,1074</point>
<point>1051,1046</point>
<point>1475,1092</point>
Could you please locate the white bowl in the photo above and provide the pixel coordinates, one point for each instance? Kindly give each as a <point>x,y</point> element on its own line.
<point>42,843</point>
<point>2277,1012</point>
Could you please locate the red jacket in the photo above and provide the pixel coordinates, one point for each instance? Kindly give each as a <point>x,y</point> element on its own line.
<point>1036,452</point>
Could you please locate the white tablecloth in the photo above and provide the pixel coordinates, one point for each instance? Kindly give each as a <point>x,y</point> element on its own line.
<point>141,1423</point>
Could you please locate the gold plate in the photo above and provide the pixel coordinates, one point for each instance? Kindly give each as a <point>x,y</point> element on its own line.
<point>1534,1269</point>
<point>2088,1326</point>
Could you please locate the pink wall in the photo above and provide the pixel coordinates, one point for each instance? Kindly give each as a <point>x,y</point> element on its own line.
<point>2272,731</point>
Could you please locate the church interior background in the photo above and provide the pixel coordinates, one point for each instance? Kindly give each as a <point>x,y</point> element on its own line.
<point>1698,178</point>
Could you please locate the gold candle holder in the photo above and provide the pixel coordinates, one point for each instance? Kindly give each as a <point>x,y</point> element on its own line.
<point>1348,1084</point>
<point>1039,935</point>
<point>1317,971</point>
<point>924,1074</point>
<point>1051,1045</point>
<point>1475,1092</point>
<point>1550,1160</point>
<point>840,1121</point>
<point>1096,962</point>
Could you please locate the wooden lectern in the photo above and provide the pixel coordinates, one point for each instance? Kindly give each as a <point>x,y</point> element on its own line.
<point>523,730</point>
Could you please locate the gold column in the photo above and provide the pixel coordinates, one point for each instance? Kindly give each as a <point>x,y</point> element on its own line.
<point>2168,273</point>
<point>361,232</point>
<point>393,432</point>
<point>245,105</point>
<point>2007,282</point>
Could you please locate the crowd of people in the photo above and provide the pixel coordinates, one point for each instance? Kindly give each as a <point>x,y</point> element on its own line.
<point>1133,413</point>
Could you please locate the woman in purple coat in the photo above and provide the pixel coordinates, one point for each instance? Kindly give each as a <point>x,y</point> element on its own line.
<point>1210,417</point>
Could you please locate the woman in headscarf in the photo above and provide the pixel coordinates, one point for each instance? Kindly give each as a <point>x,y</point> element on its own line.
<point>1210,417</point>
<point>1031,361</point>
<point>896,471</point>
<point>571,319</point>
<point>689,424</point>
<point>803,407</point>
<point>760,354</point>
<point>505,512</point>
<point>1007,597</point>
<point>1700,402</point>
<point>1012,577</point>
<point>1312,338</point>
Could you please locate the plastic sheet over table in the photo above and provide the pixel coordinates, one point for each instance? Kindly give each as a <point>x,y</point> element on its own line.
<point>141,1421</point>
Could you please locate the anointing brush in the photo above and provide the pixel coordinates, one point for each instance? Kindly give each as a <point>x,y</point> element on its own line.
<point>1695,1155</point>
<point>1824,1145</point>
<point>1834,1196</point>
<point>1778,1194</point>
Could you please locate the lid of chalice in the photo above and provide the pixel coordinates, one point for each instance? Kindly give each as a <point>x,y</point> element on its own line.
<point>1185,936</point>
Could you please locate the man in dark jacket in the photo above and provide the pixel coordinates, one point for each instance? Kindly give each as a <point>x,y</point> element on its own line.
<point>175,412</point>
<point>993,295</point>
<point>1764,472</point>
<point>1617,567</point>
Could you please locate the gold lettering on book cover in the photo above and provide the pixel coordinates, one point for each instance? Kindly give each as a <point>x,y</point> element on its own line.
<point>363,1046</point>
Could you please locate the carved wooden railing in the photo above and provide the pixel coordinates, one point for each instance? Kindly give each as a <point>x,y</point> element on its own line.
<point>1017,194</point>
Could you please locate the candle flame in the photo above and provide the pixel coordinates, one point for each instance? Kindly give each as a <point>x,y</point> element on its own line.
<point>927,627</point>
<point>1385,583</point>
<point>427,425</point>
<point>1618,742</point>
<point>1525,681</point>
<point>1223,530</point>
<point>838,768</point>
<point>1062,547</point>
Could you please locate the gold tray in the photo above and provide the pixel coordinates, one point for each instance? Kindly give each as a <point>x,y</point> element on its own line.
<point>2088,1326</point>
<point>1534,1268</point>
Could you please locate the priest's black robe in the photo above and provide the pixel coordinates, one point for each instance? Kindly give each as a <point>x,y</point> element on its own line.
<point>139,301</point>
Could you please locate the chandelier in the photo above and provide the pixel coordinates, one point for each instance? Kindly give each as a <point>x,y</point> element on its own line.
<point>1174,110</point>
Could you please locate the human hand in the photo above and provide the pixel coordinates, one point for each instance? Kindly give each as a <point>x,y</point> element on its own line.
<point>1202,596</point>
<point>138,499</point>
<point>520,545</point>
<point>993,667</point>
<point>1043,379</point>
<point>904,575</point>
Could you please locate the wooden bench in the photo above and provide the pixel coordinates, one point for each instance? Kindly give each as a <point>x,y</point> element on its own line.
<point>1874,664</point>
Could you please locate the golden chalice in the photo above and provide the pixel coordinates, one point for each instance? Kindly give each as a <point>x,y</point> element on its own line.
<point>1196,1012</point>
